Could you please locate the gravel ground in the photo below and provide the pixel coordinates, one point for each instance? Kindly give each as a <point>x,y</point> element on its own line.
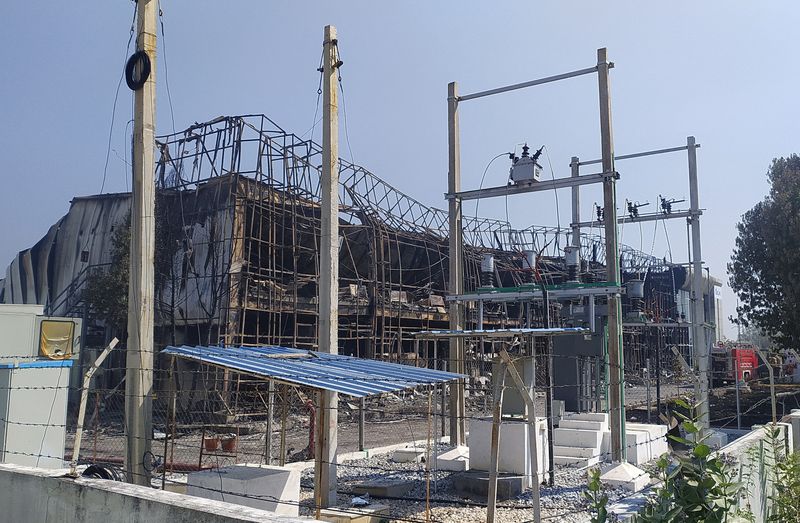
<point>564,502</point>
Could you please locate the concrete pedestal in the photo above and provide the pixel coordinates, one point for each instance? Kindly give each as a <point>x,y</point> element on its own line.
<point>625,476</point>
<point>514,456</point>
<point>716,439</point>
<point>475,485</point>
<point>456,460</point>
<point>253,486</point>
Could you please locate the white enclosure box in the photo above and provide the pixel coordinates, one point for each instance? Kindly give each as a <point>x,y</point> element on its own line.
<point>33,412</point>
<point>514,456</point>
<point>26,334</point>
<point>17,330</point>
<point>256,486</point>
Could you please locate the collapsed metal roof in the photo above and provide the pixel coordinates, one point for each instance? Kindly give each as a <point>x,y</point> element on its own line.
<point>356,377</point>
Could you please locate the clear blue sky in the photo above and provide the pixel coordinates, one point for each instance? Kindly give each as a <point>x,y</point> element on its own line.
<point>722,71</point>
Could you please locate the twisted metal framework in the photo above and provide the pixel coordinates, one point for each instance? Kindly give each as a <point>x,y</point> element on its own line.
<point>244,197</point>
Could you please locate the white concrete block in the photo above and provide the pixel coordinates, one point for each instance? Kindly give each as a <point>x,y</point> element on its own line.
<point>456,459</point>
<point>626,476</point>
<point>575,452</point>
<point>250,485</point>
<point>558,410</point>
<point>716,439</point>
<point>577,438</point>
<point>514,454</point>
<point>409,455</point>
<point>657,436</point>
<point>602,417</point>
<point>637,446</point>
<point>794,420</point>
<point>581,424</point>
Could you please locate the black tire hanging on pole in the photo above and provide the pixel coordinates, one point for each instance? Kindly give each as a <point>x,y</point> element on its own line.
<point>142,59</point>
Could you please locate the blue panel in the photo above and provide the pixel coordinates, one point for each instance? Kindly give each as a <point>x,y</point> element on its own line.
<point>344,374</point>
<point>39,364</point>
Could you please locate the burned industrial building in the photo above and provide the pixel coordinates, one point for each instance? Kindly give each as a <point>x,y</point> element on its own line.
<point>238,226</point>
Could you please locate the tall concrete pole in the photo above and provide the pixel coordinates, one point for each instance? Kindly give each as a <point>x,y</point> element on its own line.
<point>457,426</point>
<point>139,363</point>
<point>327,413</point>
<point>616,406</point>
<point>576,204</point>
<point>699,334</point>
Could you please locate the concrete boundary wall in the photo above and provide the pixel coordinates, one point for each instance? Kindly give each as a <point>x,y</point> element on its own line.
<point>752,460</point>
<point>39,495</point>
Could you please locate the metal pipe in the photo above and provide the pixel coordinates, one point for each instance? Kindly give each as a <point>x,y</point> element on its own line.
<point>639,155</point>
<point>87,379</point>
<point>531,83</point>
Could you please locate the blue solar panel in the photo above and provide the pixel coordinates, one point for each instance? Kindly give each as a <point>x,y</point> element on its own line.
<point>347,375</point>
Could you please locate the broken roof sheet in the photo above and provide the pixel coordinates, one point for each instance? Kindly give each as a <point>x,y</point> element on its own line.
<point>356,377</point>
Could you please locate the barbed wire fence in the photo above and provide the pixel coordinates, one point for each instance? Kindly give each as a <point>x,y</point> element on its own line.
<point>207,418</point>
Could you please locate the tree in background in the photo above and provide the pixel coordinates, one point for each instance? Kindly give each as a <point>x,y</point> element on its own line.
<point>107,289</point>
<point>765,267</point>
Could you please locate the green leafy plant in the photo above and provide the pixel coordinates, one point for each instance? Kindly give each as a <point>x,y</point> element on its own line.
<point>695,486</point>
<point>598,500</point>
<point>785,497</point>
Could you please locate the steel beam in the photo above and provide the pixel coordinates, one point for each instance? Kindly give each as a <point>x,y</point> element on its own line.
<point>644,218</point>
<point>536,294</point>
<point>545,185</point>
<point>639,155</point>
<point>531,83</point>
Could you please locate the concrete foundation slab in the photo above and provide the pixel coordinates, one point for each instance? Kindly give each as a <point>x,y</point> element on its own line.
<point>384,488</point>
<point>409,455</point>
<point>475,485</point>
<point>368,514</point>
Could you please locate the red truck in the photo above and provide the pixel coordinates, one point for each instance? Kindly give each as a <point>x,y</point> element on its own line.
<point>731,361</point>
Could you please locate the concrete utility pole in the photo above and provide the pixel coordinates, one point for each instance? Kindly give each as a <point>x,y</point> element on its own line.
<point>458,434</point>
<point>699,338</point>
<point>616,407</point>
<point>139,373</point>
<point>575,166</point>
<point>327,412</point>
